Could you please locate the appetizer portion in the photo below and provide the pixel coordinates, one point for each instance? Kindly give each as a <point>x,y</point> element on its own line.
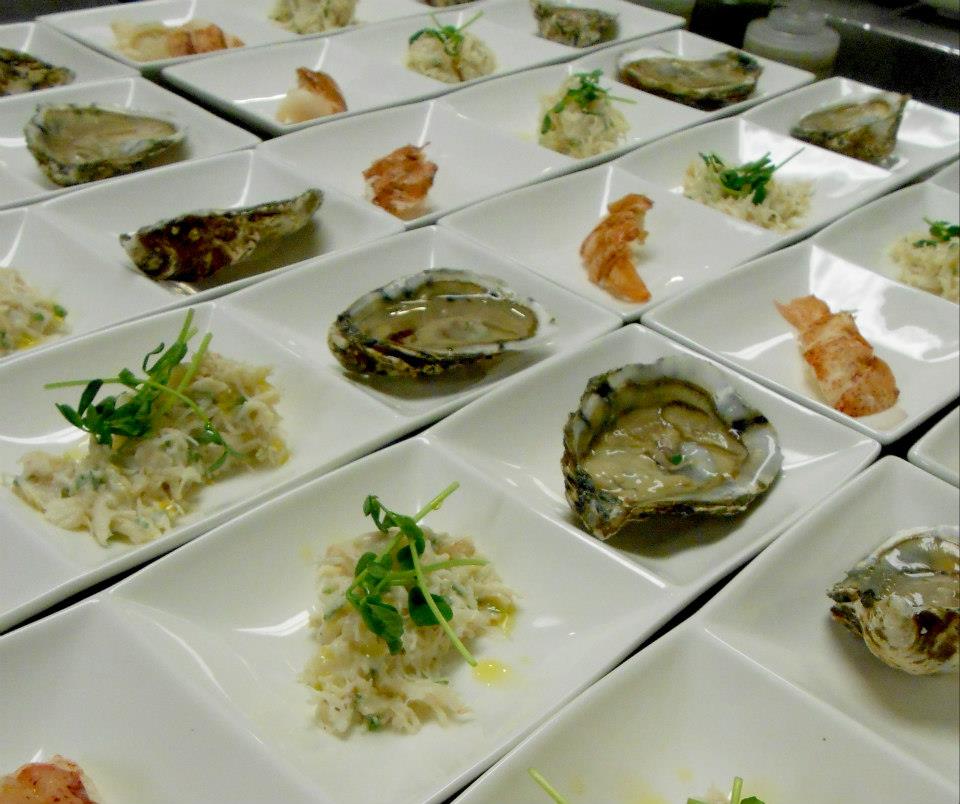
<point>611,249</point>
<point>396,607</point>
<point>179,425</point>
<point>866,130</point>
<point>315,95</point>
<point>313,16</point>
<point>434,322</point>
<point>400,181</point>
<point>26,317</point>
<point>713,797</point>
<point>671,437</point>
<point>75,144</point>
<point>930,260</point>
<point>450,54</point>
<point>197,245</point>
<point>707,84</point>
<point>20,72</point>
<point>58,781</point>
<point>749,191</point>
<point>148,41</point>
<point>903,600</point>
<point>574,26</point>
<point>849,376</point>
<point>580,120</point>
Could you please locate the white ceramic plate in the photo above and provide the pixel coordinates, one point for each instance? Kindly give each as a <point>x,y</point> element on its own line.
<point>269,72</point>
<point>61,51</point>
<point>938,451</point>
<point>228,616</point>
<point>927,137</point>
<point>734,320</point>
<point>311,298</point>
<point>775,79</point>
<point>839,184</point>
<point>474,161</point>
<point>948,178</point>
<point>543,227</point>
<point>803,645</point>
<point>98,215</point>
<point>864,237</point>
<point>516,434</point>
<point>41,564</point>
<point>22,181</point>
<point>688,714</point>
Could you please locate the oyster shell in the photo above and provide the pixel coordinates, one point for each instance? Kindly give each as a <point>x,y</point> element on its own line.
<point>671,437</point>
<point>713,83</point>
<point>576,27</point>
<point>866,130</point>
<point>433,322</point>
<point>198,244</point>
<point>75,144</point>
<point>20,72</point>
<point>903,600</point>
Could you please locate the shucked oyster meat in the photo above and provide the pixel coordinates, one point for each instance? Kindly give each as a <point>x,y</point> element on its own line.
<point>866,130</point>
<point>708,84</point>
<point>74,144</point>
<point>21,72</point>
<point>198,244</point>
<point>573,26</point>
<point>670,437</point>
<point>904,600</point>
<point>433,322</point>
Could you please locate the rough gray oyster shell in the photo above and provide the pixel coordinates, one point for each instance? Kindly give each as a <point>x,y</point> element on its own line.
<point>670,437</point>
<point>903,600</point>
<point>197,245</point>
<point>433,322</point>
<point>866,130</point>
<point>573,26</point>
<point>20,72</point>
<point>708,84</point>
<point>75,144</point>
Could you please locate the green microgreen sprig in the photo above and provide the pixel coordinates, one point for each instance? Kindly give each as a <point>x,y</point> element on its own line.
<point>400,565</point>
<point>548,788</point>
<point>584,94</point>
<point>940,232</point>
<point>449,36</point>
<point>750,178</point>
<point>735,795</point>
<point>135,415</point>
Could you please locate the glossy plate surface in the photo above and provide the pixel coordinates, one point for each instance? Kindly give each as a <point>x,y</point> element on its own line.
<point>938,451</point>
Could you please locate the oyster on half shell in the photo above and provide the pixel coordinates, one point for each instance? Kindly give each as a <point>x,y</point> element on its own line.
<point>75,144</point>
<point>20,72</point>
<point>866,130</point>
<point>713,83</point>
<point>904,600</point>
<point>670,437</point>
<point>433,322</point>
<point>573,26</point>
<point>197,245</point>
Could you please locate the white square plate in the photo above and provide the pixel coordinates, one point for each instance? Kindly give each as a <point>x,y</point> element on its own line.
<point>98,215</point>
<point>22,181</point>
<point>543,227</point>
<point>524,448</point>
<point>802,644</point>
<point>685,716</point>
<point>948,178</point>
<point>41,564</point>
<point>775,79</point>
<point>938,451</point>
<point>474,161</point>
<point>839,184</point>
<point>311,298</point>
<point>928,136</point>
<point>735,321</point>
<point>229,614</point>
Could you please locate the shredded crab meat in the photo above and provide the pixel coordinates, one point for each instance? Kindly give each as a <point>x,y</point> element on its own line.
<point>26,317</point>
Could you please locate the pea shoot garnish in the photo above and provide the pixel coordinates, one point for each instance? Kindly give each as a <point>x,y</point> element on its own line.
<point>400,565</point>
<point>449,36</point>
<point>940,232</point>
<point>133,415</point>
<point>584,94</point>
<point>548,788</point>
<point>735,795</point>
<point>748,179</point>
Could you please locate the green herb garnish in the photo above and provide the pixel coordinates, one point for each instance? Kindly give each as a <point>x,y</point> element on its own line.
<point>940,232</point>
<point>676,460</point>
<point>749,178</point>
<point>60,312</point>
<point>134,415</point>
<point>449,36</point>
<point>400,565</point>
<point>588,91</point>
<point>548,788</point>
<point>734,795</point>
